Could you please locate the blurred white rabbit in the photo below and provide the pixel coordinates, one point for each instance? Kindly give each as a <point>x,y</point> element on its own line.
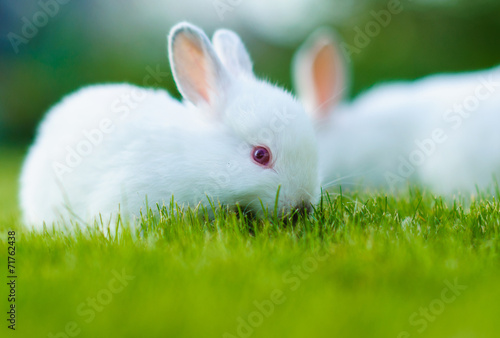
<point>442,131</point>
<point>235,140</point>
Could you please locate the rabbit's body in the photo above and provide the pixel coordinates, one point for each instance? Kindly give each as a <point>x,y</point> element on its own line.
<point>441,131</point>
<point>152,147</point>
<point>119,168</point>
<point>414,131</point>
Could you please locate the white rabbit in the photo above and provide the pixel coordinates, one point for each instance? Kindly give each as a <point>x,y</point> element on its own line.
<point>107,147</point>
<point>442,131</point>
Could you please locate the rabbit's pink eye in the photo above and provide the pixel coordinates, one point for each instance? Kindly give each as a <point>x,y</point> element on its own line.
<point>261,155</point>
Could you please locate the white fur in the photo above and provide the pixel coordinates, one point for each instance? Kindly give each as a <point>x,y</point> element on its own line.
<point>367,140</point>
<point>162,148</point>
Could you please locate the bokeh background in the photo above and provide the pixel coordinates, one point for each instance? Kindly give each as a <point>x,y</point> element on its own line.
<point>81,42</point>
<point>197,279</point>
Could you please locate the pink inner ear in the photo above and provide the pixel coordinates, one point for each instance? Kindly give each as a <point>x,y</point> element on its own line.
<point>325,75</point>
<point>192,62</point>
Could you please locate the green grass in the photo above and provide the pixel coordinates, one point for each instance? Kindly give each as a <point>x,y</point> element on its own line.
<point>364,265</point>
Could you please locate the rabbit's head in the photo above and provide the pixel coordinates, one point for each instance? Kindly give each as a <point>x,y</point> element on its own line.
<point>265,140</point>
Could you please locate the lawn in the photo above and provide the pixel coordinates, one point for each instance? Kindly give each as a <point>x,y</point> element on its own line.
<point>365,264</point>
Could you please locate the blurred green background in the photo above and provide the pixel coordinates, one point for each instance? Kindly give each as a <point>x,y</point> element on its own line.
<point>83,42</point>
<point>380,271</point>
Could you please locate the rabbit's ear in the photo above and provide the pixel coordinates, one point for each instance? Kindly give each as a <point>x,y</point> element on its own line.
<point>200,76</point>
<point>232,52</point>
<point>320,73</point>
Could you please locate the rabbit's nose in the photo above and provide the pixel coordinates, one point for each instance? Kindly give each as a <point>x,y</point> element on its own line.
<point>298,211</point>
<point>302,208</point>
